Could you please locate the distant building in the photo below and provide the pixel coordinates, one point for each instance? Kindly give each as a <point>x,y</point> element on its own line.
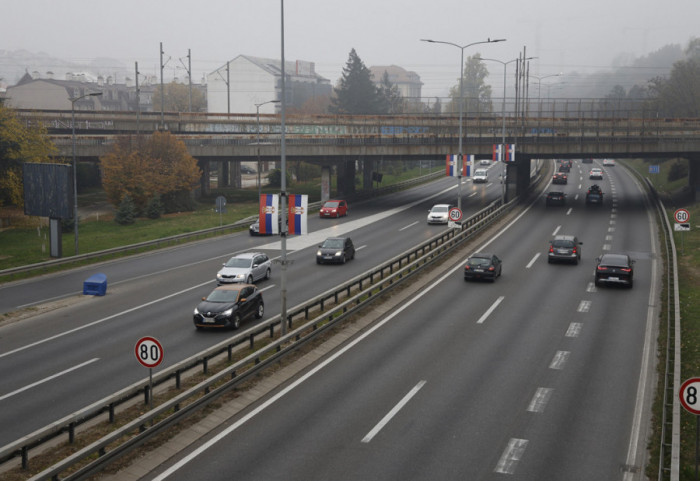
<point>408,83</point>
<point>46,93</point>
<point>240,84</point>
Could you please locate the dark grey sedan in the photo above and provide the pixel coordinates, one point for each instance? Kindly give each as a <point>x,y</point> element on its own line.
<point>228,306</point>
<point>337,250</point>
<point>483,266</point>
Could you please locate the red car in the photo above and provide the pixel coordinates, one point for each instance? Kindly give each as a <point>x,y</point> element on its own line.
<point>334,208</point>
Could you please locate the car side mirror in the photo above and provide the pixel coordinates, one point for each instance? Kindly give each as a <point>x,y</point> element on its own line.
<point>243,300</point>
<point>256,265</point>
<point>204,298</point>
<point>580,243</point>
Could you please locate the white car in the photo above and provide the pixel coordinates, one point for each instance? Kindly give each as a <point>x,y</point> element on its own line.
<point>596,173</point>
<point>608,162</point>
<point>439,214</point>
<point>245,268</point>
<point>485,162</point>
<point>480,176</point>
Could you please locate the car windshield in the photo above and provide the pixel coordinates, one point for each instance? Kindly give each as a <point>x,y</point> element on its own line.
<point>562,243</point>
<point>238,262</point>
<point>330,205</point>
<point>439,208</point>
<point>333,243</point>
<point>223,295</point>
<point>479,261</point>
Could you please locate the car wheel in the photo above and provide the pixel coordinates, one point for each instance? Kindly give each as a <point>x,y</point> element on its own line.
<point>597,283</point>
<point>261,310</point>
<point>630,284</point>
<point>268,274</point>
<point>549,261</point>
<point>345,259</point>
<point>236,321</point>
<point>318,261</point>
<point>249,280</point>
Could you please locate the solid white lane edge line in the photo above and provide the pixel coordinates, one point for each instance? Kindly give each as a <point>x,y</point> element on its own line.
<point>54,376</point>
<point>385,420</point>
<point>490,310</point>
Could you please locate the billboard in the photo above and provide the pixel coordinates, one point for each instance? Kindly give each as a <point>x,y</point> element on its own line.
<point>48,190</point>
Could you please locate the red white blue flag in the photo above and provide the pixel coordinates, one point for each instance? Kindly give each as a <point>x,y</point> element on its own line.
<point>297,207</point>
<point>268,218</point>
<point>468,163</point>
<point>455,168</point>
<point>500,149</point>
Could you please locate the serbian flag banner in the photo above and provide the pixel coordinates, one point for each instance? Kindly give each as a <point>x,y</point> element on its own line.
<point>298,206</point>
<point>269,214</point>
<point>468,163</point>
<point>453,166</point>
<point>504,152</point>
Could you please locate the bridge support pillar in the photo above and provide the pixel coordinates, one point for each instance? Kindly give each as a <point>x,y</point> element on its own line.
<point>521,180</point>
<point>325,183</point>
<point>346,178</point>
<point>367,169</point>
<point>204,180</point>
<point>694,174</point>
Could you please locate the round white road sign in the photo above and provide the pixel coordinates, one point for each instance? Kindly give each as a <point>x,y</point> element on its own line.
<point>690,395</point>
<point>455,214</point>
<point>681,216</point>
<point>149,352</point>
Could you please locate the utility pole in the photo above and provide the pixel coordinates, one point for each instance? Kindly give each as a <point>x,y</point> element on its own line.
<point>138,98</point>
<point>162,91</point>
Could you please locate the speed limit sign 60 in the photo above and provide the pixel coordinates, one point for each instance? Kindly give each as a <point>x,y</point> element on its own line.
<point>690,395</point>
<point>681,216</point>
<point>455,214</point>
<point>149,352</point>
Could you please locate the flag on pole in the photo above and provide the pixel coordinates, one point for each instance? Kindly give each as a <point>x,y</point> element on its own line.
<point>504,152</point>
<point>298,207</point>
<point>455,168</point>
<point>468,163</point>
<point>268,219</point>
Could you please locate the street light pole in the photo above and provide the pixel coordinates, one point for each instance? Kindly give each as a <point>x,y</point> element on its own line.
<point>75,164</point>
<point>503,119</point>
<point>257,110</point>
<point>539,82</point>
<point>461,101</point>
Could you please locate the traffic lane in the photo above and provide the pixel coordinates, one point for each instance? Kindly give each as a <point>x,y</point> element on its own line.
<point>471,369</point>
<point>55,286</point>
<point>147,306</point>
<point>533,344</point>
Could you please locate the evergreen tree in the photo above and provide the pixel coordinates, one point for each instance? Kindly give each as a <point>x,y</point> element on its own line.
<point>154,209</point>
<point>126,213</point>
<point>356,94</point>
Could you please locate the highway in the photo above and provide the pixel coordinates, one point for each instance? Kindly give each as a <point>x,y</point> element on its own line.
<point>64,358</point>
<point>540,375</point>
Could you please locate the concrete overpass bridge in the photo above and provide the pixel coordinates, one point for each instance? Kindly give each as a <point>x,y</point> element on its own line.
<point>221,141</point>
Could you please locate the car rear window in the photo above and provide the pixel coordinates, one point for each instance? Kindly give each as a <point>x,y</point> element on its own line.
<point>562,243</point>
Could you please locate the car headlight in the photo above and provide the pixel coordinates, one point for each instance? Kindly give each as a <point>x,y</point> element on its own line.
<point>218,275</point>
<point>196,311</point>
<point>319,253</point>
<point>337,254</point>
<point>228,312</point>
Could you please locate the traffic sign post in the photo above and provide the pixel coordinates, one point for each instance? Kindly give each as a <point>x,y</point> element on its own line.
<point>149,352</point>
<point>682,218</point>
<point>689,395</point>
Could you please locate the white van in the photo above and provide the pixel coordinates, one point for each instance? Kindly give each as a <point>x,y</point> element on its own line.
<point>480,175</point>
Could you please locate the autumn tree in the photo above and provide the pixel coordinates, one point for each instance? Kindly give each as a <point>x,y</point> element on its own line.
<point>476,93</point>
<point>356,93</point>
<point>18,144</point>
<point>679,94</point>
<point>146,167</point>
<point>177,98</point>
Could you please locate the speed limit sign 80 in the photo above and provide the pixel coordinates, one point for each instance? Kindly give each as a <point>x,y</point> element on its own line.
<point>689,395</point>
<point>149,352</point>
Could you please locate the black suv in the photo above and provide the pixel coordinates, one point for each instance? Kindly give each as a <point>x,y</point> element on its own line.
<point>335,250</point>
<point>564,248</point>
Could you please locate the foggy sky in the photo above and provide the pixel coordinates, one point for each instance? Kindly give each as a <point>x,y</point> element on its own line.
<point>565,35</point>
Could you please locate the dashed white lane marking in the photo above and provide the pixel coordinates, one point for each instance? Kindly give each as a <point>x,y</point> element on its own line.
<point>559,360</point>
<point>574,329</point>
<point>529,264</point>
<point>490,310</point>
<point>540,399</point>
<point>584,306</point>
<point>568,212</point>
<point>385,420</point>
<point>556,230</point>
<point>510,457</point>
<point>409,225</point>
<point>591,287</point>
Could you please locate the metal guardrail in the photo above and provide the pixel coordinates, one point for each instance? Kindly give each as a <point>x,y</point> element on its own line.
<point>346,299</point>
<point>189,236</point>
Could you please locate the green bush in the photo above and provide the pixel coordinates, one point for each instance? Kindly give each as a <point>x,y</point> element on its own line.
<point>679,170</point>
<point>154,209</point>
